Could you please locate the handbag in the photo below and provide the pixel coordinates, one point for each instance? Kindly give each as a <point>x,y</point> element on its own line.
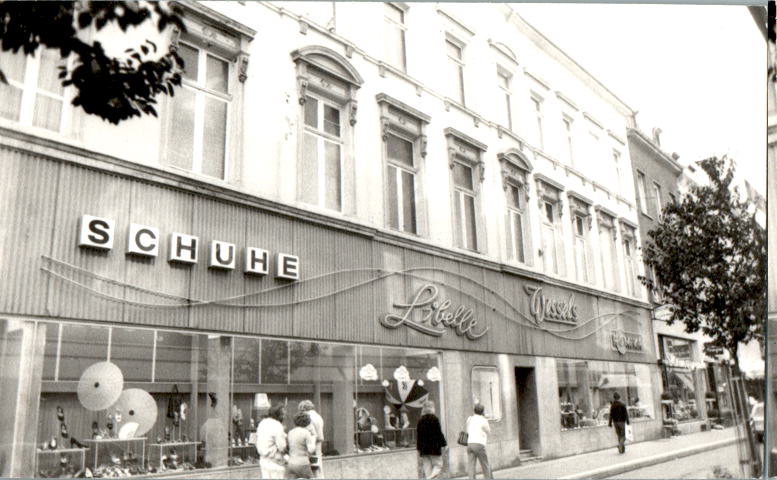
<point>629,433</point>
<point>463,435</point>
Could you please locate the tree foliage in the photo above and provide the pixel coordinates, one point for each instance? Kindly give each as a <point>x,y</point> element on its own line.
<point>114,89</point>
<point>709,255</point>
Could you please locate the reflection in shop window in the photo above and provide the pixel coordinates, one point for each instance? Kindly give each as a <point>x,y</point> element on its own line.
<point>486,391</point>
<point>679,384</point>
<point>586,389</point>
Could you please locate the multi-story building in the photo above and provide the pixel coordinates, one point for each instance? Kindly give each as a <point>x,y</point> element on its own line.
<point>691,381</point>
<point>444,210</point>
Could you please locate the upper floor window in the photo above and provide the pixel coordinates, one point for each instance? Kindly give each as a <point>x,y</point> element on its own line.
<point>607,239</point>
<point>34,94</point>
<point>567,123</point>
<point>581,225</point>
<point>657,200</point>
<point>394,38</point>
<point>515,168</point>
<point>405,147</point>
<point>455,51</point>
<point>503,81</point>
<point>616,160</point>
<point>630,258</point>
<point>467,173</point>
<point>327,86</point>
<point>641,190</point>
<point>537,104</point>
<point>552,250</point>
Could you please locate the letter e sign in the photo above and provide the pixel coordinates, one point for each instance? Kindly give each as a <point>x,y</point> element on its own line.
<point>95,232</point>
<point>287,266</point>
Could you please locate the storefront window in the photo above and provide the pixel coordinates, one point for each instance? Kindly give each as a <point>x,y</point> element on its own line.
<point>679,382</point>
<point>486,391</point>
<point>131,401</point>
<point>586,390</point>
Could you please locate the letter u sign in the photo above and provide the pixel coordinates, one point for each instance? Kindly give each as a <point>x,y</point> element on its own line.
<point>221,255</point>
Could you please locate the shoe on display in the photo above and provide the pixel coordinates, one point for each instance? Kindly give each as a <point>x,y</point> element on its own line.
<point>63,431</point>
<point>74,443</point>
<point>53,443</point>
<point>95,429</point>
<point>60,414</point>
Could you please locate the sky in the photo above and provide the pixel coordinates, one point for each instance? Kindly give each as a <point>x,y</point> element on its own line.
<point>698,72</point>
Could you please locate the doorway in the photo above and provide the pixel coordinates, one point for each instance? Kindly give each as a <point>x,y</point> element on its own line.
<point>528,414</point>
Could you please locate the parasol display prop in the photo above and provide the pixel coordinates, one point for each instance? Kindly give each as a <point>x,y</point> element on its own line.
<point>138,407</point>
<point>406,393</point>
<point>100,386</point>
<point>128,430</point>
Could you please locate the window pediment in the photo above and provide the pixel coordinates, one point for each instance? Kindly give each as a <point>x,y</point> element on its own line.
<point>329,61</point>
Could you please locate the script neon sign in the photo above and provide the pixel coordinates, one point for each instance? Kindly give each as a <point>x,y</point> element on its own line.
<point>437,316</point>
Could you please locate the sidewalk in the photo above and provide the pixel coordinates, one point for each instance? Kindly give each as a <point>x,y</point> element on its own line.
<point>606,463</point>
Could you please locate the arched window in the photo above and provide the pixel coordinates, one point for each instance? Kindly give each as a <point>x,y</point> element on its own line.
<point>327,85</point>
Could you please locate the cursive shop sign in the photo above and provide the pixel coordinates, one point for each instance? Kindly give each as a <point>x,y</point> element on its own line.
<point>544,309</point>
<point>436,316</point>
<point>98,233</point>
<point>623,342</point>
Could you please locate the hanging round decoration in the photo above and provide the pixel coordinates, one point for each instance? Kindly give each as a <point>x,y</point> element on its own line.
<point>100,386</point>
<point>138,407</point>
<point>128,430</point>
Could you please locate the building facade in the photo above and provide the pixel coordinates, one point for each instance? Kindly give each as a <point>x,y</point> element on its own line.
<point>691,381</point>
<point>366,221</point>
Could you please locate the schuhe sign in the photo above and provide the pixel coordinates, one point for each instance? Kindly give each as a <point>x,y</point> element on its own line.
<point>544,309</point>
<point>435,316</point>
<point>142,240</point>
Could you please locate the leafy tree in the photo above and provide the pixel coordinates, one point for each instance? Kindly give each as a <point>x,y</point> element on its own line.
<point>709,255</point>
<point>114,89</point>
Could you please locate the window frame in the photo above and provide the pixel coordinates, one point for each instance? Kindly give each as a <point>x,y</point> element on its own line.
<point>629,241</point>
<point>504,75</point>
<point>568,122</point>
<point>322,137</point>
<point>516,169</point>
<point>490,369</point>
<point>580,209</point>
<point>642,192</point>
<point>607,222</point>
<point>549,194</point>
<point>389,22</point>
<point>657,203</point>
<point>616,157</point>
<point>539,115</point>
<point>458,64</point>
<point>466,151</point>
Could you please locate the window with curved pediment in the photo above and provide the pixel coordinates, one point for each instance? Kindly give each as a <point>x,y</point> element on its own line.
<point>327,85</point>
<point>552,249</point>
<point>580,211</point>
<point>515,170</point>
<point>607,242</point>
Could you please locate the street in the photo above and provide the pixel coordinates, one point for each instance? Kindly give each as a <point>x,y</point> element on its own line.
<point>695,466</point>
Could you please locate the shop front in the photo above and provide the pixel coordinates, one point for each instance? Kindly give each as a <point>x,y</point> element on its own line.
<point>149,321</point>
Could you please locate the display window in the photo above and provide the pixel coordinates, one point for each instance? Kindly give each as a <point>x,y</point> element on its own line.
<point>586,390</point>
<point>679,399</point>
<point>117,401</point>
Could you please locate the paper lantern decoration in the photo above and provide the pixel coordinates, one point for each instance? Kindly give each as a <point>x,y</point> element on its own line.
<point>368,372</point>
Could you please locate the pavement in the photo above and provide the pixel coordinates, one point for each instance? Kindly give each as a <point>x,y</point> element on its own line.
<point>608,463</point>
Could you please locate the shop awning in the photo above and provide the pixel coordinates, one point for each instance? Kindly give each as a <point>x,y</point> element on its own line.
<point>618,380</point>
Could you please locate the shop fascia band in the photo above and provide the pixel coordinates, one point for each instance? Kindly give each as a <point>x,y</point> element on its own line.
<point>142,240</point>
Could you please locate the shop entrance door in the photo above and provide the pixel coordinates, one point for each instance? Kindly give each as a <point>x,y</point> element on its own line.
<point>528,415</point>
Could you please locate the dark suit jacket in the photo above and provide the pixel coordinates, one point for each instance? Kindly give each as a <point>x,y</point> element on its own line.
<point>618,412</point>
<point>429,437</point>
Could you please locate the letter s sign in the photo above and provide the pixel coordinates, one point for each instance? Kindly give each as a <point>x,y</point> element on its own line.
<point>95,232</point>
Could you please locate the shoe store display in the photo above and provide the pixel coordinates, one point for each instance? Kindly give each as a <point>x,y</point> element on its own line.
<point>53,443</point>
<point>63,431</point>
<point>60,414</point>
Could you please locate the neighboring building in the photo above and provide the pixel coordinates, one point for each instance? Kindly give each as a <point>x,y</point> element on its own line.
<point>325,213</point>
<point>691,381</point>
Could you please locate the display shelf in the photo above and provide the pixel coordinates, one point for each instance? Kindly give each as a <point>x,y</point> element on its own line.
<point>49,461</point>
<point>103,451</point>
<point>186,452</point>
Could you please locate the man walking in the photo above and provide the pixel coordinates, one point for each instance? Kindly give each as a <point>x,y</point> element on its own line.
<point>478,430</point>
<point>619,416</point>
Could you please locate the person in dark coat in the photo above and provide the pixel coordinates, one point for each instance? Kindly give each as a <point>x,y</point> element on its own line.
<point>430,442</point>
<point>619,416</point>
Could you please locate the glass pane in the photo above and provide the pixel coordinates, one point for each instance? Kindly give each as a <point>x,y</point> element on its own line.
<point>549,212</point>
<point>309,170</point>
<point>275,361</point>
<point>179,358</point>
<point>393,197</point>
<point>504,80</point>
<point>132,350</point>
<point>332,120</point>
<point>246,366</point>
<point>308,365</point>
<point>217,74</point>
<point>579,226</point>
<point>518,235</point>
<point>408,197</point>
<point>333,187</point>
<point>214,141</point>
<point>486,391</point>
<point>190,56</point>
<point>13,65</point>
<point>182,135</point>
<point>48,113</point>
<point>81,347</point>
<point>311,112</point>
<point>514,196</point>
<point>11,106</point>
<point>469,222</point>
<point>50,352</point>
<point>399,150</point>
<point>394,45</point>
<point>48,73</point>
<point>462,176</point>
<point>458,228</point>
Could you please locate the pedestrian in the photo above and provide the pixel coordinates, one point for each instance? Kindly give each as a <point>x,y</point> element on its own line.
<point>316,427</point>
<point>302,444</point>
<point>477,431</point>
<point>619,416</point>
<point>430,441</point>
<point>271,443</point>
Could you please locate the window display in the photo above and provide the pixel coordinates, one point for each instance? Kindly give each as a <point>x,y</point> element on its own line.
<point>586,389</point>
<point>486,391</point>
<point>118,401</point>
<point>677,357</point>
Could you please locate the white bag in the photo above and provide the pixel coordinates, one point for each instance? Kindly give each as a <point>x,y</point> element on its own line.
<point>629,433</point>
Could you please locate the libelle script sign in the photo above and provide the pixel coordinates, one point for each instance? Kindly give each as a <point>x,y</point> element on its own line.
<point>435,316</point>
